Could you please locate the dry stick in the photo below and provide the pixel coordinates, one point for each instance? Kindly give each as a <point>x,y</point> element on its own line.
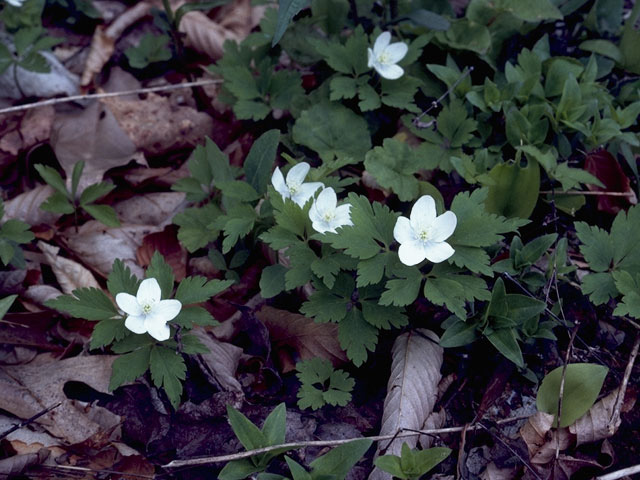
<point>75,98</point>
<point>29,420</point>
<point>93,471</point>
<point>620,473</point>
<point>322,443</point>
<point>615,416</point>
<point>579,192</point>
<point>562,378</point>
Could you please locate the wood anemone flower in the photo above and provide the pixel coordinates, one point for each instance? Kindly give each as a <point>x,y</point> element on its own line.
<point>325,214</point>
<point>293,187</point>
<point>385,55</point>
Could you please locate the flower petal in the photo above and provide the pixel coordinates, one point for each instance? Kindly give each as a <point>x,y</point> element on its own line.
<point>298,173</point>
<point>136,323</point>
<point>370,58</point>
<point>305,192</point>
<point>159,331</point>
<point>411,253</point>
<point>390,72</point>
<point>128,304</point>
<point>443,226</point>
<point>327,200</point>
<point>277,179</point>
<point>423,213</point>
<point>437,252</point>
<point>343,216</point>
<point>167,309</point>
<point>403,232</point>
<point>396,52</point>
<point>148,292</point>
<point>381,43</point>
<point>321,226</point>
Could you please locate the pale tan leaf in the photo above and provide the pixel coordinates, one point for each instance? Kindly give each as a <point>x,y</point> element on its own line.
<point>26,390</point>
<point>493,472</point>
<point>39,294</point>
<point>541,439</point>
<point>70,274</point>
<point>151,208</point>
<point>221,363</point>
<point>94,136</point>
<point>36,125</point>
<point>412,389</point>
<point>434,420</point>
<point>17,464</point>
<point>308,338</point>
<point>26,207</point>
<point>99,246</point>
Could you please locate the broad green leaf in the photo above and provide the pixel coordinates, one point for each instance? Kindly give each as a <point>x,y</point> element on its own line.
<point>121,279</point>
<point>94,192</point>
<point>5,304</point>
<point>16,231</point>
<point>190,316</point>
<point>630,289</point>
<point>107,331</point>
<point>128,367</point>
<point>167,371</point>
<point>162,272</point>
<point>287,9</point>
<point>75,177</point>
<point>272,280</point>
<point>297,471</point>
<point>429,19</point>
<point>600,287</point>
<point>393,166</point>
<point>275,425</point>
<point>533,250</point>
<point>239,470</point>
<point>459,334</point>
<point>582,384</point>
<point>339,461</point>
<point>532,12</point>
<point>342,87</point>
<point>250,436</point>
<point>324,306</point>
<point>150,49</point>
<point>506,343</point>
<point>104,214</point>
<point>629,41</point>
<point>197,289</point>
<point>195,230</point>
<point>259,161</point>
<point>192,345</point>
<point>603,47</point>
<point>87,303</point>
<point>322,385</point>
<point>515,189</point>
<point>357,336</point>
<point>57,203</point>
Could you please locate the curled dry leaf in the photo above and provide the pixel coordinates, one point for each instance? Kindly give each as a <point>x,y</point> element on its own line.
<point>26,390</point>
<point>14,466</point>
<point>155,126</point>
<point>94,136</point>
<point>167,244</point>
<point>412,389</point>
<point>151,209</point>
<point>541,438</point>
<point>70,274</point>
<point>308,338</point>
<point>234,21</point>
<point>221,363</point>
<point>26,207</point>
<point>99,246</point>
<point>602,165</point>
<point>104,39</point>
<point>433,421</point>
<point>493,472</point>
<point>36,125</point>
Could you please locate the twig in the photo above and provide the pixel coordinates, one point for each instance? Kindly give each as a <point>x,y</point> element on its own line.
<point>323,443</point>
<point>75,98</point>
<point>512,450</point>
<point>580,192</point>
<point>94,471</point>
<point>615,416</point>
<point>562,379</point>
<point>620,473</point>
<point>29,420</point>
<point>435,103</point>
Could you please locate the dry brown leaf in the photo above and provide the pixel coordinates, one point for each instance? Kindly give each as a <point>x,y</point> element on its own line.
<point>39,294</point>
<point>151,208</point>
<point>493,472</point>
<point>94,136</point>
<point>221,363</point>
<point>308,338</point>
<point>166,243</point>
<point>26,207</point>
<point>36,125</point>
<point>27,439</point>
<point>26,390</point>
<point>70,274</point>
<point>155,126</point>
<point>412,389</point>
<point>234,21</point>
<point>19,463</point>
<point>433,421</point>
<point>103,41</point>
<point>541,438</point>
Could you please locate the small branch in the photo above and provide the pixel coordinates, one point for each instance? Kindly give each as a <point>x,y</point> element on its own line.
<point>75,98</point>
<point>587,192</point>
<point>94,471</point>
<point>512,450</point>
<point>28,420</point>
<point>625,472</point>
<point>323,443</point>
<point>562,379</point>
<point>615,416</point>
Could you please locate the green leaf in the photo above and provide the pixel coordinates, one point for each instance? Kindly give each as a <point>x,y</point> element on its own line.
<point>325,306</point>
<point>94,192</point>
<point>259,161</point>
<point>185,8</point>
<point>459,334</point>
<point>251,110</point>
<point>106,331</point>
<point>515,189</point>
<point>192,345</point>
<point>532,12</point>
<point>453,291</point>
<point>151,49</point>
<point>195,230</point>
<point>121,279</point>
<point>300,272</point>
<point>506,343</point>
<point>381,316</point>
<point>597,246</point>
<point>287,9</point>
<point>412,463</point>
<point>339,461</point>
<point>6,58</point>
<point>275,425</point>
<point>167,371</point>
<point>600,287</point>
<point>400,93</point>
<point>239,470</point>
<point>630,289</point>
<point>197,289</point>
<point>429,19</point>
<point>629,41</point>
<point>16,231</point>
<point>582,384</point>
<point>250,436</point>
<point>342,87</point>
<point>297,471</point>
<point>369,98</point>
<point>128,367</point>
<point>453,123</point>
<point>87,303</point>
<point>356,336</point>
<point>57,203</point>
<point>162,272</point>
<point>602,47</point>
<point>239,224</point>
<point>533,250</point>
<point>190,316</point>
<point>272,280</point>
<point>104,214</point>
<point>332,130</point>
<point>5,304</point>
<point>393,166</point>
<point>322,385</point>
<point>402,291</point>
<point>75,177</point>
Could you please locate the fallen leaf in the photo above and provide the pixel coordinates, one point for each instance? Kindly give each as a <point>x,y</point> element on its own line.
<point>26,390</point>
<point>26,207</point>
<point>603,165</point>
<point>166,243</point>
<point>39,294</point>
<point>70,274</point>
<point>412,389</point>
<point>36,125</point>
<point>94,136</point>
<point>221,363</point>
<point>541,439</point>
<point>151,209</point>
<point>493,472</point>
<point>17,464</point>
<point>308,338</point>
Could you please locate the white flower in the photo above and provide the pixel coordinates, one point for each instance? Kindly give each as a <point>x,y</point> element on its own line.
<point>325,215</point>
<point>147,313</point>
<point>424,234</point>
<point>16,3</point>
<point>294,188</point>
<point>384,56</point>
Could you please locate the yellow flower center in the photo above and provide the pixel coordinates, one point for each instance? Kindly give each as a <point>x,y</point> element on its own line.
<point>294,187</point>
<point>146,309</point>
<point>384,58</point>
<point>424,234</point>
<point>328,216</point>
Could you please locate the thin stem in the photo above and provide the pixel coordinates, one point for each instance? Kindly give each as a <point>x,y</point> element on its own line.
<point>435,103</point>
